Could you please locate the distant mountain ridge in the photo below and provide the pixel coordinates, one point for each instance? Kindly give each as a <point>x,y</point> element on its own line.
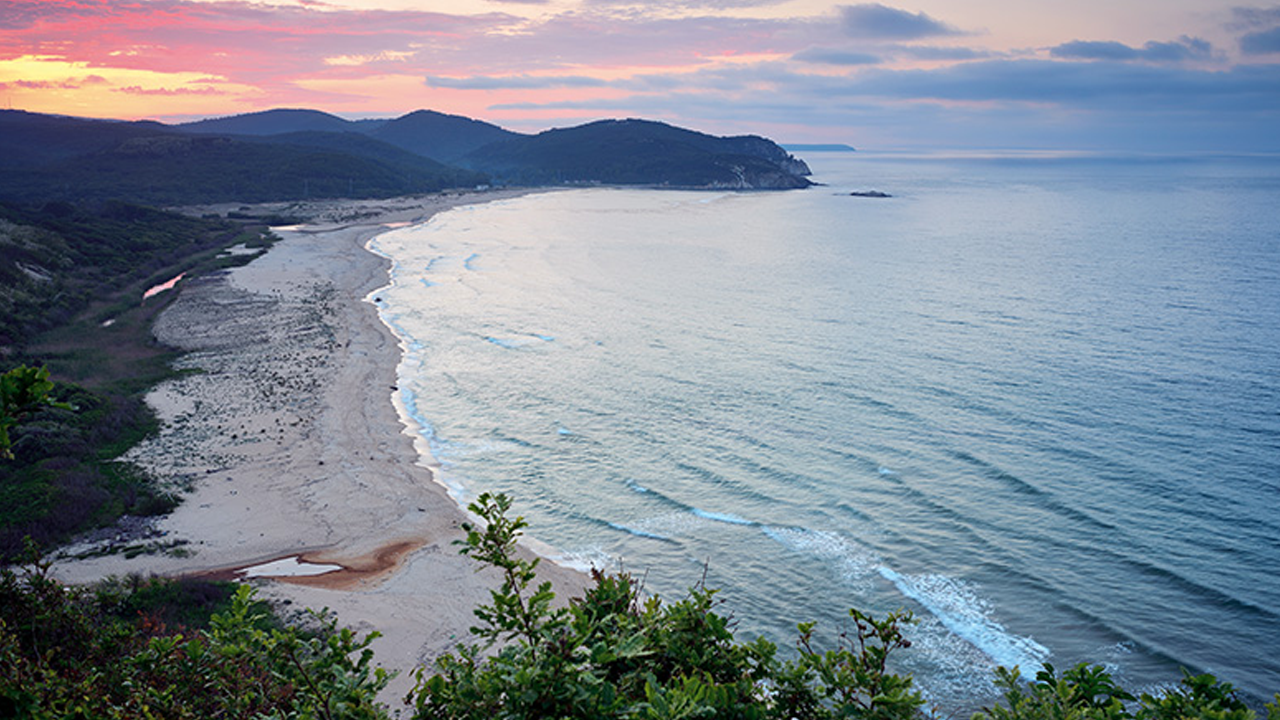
<point>431,134</point>
<point>293,154</point>
<point>52,158</point>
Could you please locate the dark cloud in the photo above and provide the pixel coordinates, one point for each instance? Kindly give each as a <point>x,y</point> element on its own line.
<point>21,14</point>
<point>1099,85</point>
<point>1247,18</point>
<point>829,56</point>
<point>1094,50</point>
<point>929,52</point>
<point>1262,42</point>
<point>1185,48</point>
<point>513,82</point>
<point>998,103</point>
<point>879,22</point>
<point>1067,86</point>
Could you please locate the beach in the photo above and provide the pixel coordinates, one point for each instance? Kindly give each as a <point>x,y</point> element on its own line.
<point>298,473</point>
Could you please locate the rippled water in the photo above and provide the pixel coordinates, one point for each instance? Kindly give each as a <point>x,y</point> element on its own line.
<point>1036,400</point>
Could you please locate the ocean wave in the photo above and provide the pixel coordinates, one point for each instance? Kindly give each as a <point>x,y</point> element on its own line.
<point>854,563</point>
<point>958,612</point>
<point>516,342</point>
<point>955,604</point>
<point>729,518</point>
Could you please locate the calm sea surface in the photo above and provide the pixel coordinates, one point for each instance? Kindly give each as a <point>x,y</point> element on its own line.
<point>1035,400</point>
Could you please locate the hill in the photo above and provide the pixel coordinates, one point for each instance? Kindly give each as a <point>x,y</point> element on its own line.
<point>294,154</point>
<point>628,152</point>
<point>29,139</point>
<point>78,160</point>
<point>425,133</point>
<point>268,122</point>
<point>640,152</point>
<point>441,137</point>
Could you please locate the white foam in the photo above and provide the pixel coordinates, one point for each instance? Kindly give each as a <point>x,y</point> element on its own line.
<point>851,561</point>
<point>662,527</point>
<point>955,604</point>
<point>721,517</point>
<point>638,532</point>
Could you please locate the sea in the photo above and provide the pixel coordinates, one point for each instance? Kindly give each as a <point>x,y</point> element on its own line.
<point>1032,398</point>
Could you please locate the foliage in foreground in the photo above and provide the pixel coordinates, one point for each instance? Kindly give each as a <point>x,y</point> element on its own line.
<point>611,654</point>
<point>113,651</point>
<point>75,653</point>
<point>1090,693</point>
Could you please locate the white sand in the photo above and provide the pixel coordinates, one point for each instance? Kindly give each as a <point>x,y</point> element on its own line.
<point>295,450</point>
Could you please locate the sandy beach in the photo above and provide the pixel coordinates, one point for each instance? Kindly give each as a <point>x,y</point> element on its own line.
<point>292,452</point>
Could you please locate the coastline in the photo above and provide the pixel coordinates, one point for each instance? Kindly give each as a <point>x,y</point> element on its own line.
<point>291,448</point>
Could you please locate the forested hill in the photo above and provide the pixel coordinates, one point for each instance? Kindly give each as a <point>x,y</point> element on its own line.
<point>296,154</point>
<point>640,152</point>
<point>426,133</point>
<point>48,158</point>
<point>624,152</point>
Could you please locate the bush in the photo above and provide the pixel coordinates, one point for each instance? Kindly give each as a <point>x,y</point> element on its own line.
<point>1088,692</point>
<point>73,652</point>
<point>613,655</point>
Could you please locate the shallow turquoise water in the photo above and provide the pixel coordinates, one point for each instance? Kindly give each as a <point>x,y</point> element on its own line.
<point>1036,400</point>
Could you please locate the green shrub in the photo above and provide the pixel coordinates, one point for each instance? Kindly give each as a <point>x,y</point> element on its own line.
<point>76,653</point>
<point>612,654</point>
<point>1090,693</point>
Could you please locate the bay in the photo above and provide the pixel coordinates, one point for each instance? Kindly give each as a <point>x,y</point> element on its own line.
<point>1034,399</point>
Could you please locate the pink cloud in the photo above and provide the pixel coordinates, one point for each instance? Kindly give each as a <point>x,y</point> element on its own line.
<point>169,92</point>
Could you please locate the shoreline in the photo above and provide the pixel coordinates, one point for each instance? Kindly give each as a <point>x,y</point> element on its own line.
<point>293,387</point>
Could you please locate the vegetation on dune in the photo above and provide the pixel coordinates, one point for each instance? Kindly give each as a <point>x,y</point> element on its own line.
<point>57,259</point>
<point>61,476</point>
<point>71,298</point>
<point>171,649</point>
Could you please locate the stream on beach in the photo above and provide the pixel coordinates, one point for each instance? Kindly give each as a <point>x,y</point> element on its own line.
<point>1030,398</point>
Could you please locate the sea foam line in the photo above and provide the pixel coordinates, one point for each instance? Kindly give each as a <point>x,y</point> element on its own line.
<point>968,616</point>
<point>952,602</point>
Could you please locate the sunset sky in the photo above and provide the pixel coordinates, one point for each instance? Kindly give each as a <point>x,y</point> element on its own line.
<point>1142,75</point>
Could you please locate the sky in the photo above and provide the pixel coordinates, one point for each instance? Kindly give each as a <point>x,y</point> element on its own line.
<point>1115,75</point>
